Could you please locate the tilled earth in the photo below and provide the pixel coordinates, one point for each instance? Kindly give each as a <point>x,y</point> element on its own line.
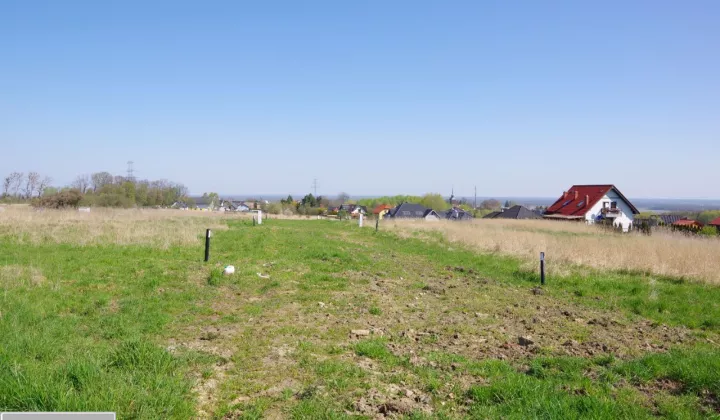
<point>281,344</point>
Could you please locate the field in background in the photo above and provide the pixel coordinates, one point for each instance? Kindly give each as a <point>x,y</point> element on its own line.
<point>116,311</point>
<point>569,245</point>
<point>107,226</point>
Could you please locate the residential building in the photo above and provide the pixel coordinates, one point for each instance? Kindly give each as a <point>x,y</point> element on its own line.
<point>456,213</point>
<point>353,209</point>
<point>412,211</point>
<point>715,223</point>
<point>594,203</point>
<point>514,212</point>
<point>687,225</point>
<point>381,210</point>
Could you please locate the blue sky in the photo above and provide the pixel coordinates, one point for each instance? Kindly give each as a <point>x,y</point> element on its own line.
<point>519,98</point>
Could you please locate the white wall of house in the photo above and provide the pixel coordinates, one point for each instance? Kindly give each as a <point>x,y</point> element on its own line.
<point>624,218</point>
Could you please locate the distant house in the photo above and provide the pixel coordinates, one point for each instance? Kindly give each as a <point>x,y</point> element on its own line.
<point>240,206</point>
<point>179,205</point>
<point>226,205</point>
<point>657,220</point>
<point>668,219</point>
<point>492,215</point>
<point>381,210</point>
<point>514,212</point>
<point>233,205</point>
<point>353,209</point>
<point>456,213</point>
<point>204,204</point>
<point>594,203</point>
<point>715,223</point>
<point>412,211</point>
<point>687,225</point>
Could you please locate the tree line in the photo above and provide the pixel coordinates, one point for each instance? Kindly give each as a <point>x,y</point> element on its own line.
<point>97,189</point>
<point>19,186</point>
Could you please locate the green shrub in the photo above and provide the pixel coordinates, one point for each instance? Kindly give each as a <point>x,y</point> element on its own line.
<point>709,231</point>
<point>64,199</point>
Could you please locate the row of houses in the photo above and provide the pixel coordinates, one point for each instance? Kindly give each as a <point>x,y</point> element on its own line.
<point>418,211</point>
<point>586,203</point>
<point>600,204</point>
<point>205,204</point>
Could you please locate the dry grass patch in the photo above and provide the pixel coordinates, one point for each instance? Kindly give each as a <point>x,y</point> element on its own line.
<point>17,275</point>
<point>570,244</point>
<point>158,228</point>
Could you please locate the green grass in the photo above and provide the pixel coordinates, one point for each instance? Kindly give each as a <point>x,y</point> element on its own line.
<point>89,329</point>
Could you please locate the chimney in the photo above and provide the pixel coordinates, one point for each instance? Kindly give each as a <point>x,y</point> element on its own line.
<point>577,194</point>
<point>565,193</point>
<point>587,200</point>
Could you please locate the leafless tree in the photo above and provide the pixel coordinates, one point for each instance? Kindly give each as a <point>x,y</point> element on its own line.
<point>101,179</point>
<point>7,182</point>
<point>42,184</point>
<point>82,183</point>
<point>31,183</point>
<point>17,180</point>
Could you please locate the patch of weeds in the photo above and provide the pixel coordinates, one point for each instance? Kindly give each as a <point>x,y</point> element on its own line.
<point>339,375</point>
<point>317,408</point>
<point>697,369</point>
<point>374,310</point>
<point>215,277</point>
<point>269,286</point>
<point>253,309</point>
<point>376,348</point>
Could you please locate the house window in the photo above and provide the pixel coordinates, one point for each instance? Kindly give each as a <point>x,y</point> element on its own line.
<point>613,205</point>
<point>406,213</point>
<point>566,203</point>
<point>580,204</point>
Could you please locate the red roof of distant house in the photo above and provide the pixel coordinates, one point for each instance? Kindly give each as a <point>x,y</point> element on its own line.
<point>382,207</point>
<point>715,222</point>
<point>687,222</point>
<point>579,199</point>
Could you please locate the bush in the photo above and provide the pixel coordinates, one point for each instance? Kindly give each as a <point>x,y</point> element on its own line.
<point>274,208</point>
<point>113,200</point>
<point>709,231</point>
<point>64,199</point>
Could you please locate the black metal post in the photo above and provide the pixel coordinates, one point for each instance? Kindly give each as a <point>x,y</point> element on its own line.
<point>377,223</point>
<point>208,233</point>
<point>542,268</point>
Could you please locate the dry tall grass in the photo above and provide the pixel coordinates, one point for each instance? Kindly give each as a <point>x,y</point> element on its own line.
<point>158,228</point>
<point>570,244</point>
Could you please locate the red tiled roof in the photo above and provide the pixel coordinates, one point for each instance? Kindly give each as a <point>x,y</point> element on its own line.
<point>687,222</point>
<point>381,207</point>
<point>573,202</point>
<point>715,222</point>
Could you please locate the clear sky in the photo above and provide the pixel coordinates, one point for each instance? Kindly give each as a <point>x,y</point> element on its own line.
<point>521,98</point>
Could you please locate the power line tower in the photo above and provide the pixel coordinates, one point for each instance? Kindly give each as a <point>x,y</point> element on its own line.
<point>314,186</point>
<point>131,171</point>
<point>475,199</point>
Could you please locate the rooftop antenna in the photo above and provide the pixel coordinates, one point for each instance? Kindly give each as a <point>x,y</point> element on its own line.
<point>130,171</point>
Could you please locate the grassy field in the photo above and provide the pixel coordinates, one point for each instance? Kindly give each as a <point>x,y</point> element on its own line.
<point>323,319</point>
<point>567,245</point>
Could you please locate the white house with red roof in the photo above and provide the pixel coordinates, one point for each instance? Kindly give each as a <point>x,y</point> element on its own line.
<point>592,203</point>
